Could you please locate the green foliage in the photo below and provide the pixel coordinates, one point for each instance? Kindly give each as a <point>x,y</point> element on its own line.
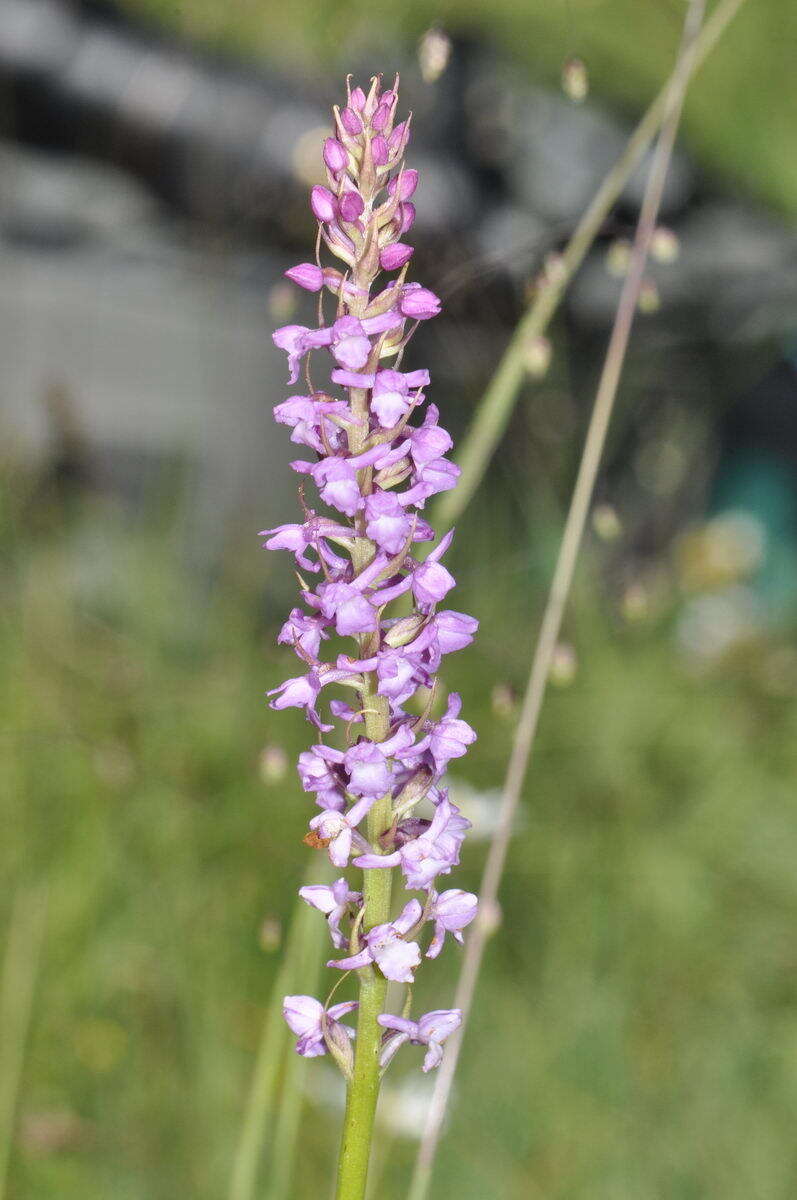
<point>635,1033</point>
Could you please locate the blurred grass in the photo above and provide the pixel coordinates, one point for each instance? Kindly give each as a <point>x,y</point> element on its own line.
<point>636,1030</point>
<point>629,49</point>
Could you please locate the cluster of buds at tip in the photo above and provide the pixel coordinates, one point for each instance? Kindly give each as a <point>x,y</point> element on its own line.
<point>379,454</point>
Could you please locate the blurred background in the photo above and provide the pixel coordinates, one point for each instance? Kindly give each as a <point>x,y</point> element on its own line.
<point>636,1029</point>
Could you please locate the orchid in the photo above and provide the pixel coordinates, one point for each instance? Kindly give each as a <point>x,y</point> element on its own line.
<point>379,454</point>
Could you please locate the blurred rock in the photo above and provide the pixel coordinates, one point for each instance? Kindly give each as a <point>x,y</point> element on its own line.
<point>161,348</point>
<point>556,154</point>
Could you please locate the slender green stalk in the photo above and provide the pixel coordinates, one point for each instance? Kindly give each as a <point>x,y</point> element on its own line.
<point>495,407</point>
<point>363,1090</point>
<point>523,744</point>
<point>20,968</point>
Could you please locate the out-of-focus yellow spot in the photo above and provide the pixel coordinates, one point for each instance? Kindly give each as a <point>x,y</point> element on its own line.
<point>434,52</point>
<point>606,522</point>
<point>273,764</point>
<point>649,300</point>
<point>725,550</point>
<point>308,165</point>
<point>575,79</point>
<point>563,665</point>
<point>636,602</point>
<point>282,301</point>
<point>664,245</point>
<point>537,356</point>
<point>618,256</point>
<point>503,700</point>
<point>270,934</point>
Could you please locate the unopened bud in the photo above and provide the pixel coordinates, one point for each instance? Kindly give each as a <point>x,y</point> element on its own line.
<point>339,1046</point>
<point>405,630</point>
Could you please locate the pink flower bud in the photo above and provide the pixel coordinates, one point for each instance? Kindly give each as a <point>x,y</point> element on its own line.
<point>381,117</point>
<point>406,217</point>
<point>379,151</point>
<point>351,206</point>
<point>358,99</point>
<point>394,257</point>
<point>307,275</point>
<point>351,122</point>
<point>398,137</point>
<point>406,184</point>
<point>323,204</point>
<point>335,155</point>
<point>419,302</point>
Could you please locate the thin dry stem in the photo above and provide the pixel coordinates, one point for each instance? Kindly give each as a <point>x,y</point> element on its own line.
<point>560,588</point>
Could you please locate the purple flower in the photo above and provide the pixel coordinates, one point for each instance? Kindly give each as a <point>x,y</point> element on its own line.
<point>317,774</point>
<point>454,630</point>
<point>451,911</point>
<point>434,852</point>
<point>387,522</point>
<point>450,737</point>
<point>335,902</point>
<point>305,1016</point>
<point>386,946</point>
<point>431,1030</point>
<point>306,416</point>
<point>350,346</point>
<point>339,830</point>
<point>303,632</point>
<point>345,604</point>
<point>291,339</point>
<point>430,580</point>
<point>390,397</point>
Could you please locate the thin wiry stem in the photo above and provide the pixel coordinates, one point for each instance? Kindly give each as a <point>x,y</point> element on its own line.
<point>560,589</point>
<point>495,407</point>
<point>20,968</point>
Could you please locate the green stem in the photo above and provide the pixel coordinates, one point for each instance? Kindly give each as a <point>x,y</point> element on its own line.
<point>363,1090</point>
